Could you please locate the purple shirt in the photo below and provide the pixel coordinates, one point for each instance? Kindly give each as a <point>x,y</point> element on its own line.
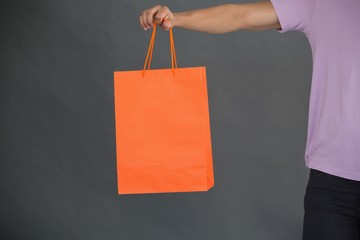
<point>333,30</point>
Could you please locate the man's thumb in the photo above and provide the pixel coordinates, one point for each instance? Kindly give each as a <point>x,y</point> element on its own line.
<point>166,24</point>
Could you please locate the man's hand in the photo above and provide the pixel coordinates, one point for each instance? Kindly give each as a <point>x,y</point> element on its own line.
<point>162,14</point>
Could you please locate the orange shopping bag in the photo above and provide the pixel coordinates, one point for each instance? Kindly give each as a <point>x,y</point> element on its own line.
<point>163,141</point>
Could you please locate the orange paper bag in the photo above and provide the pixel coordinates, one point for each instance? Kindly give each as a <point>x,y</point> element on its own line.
<point>163,141</point>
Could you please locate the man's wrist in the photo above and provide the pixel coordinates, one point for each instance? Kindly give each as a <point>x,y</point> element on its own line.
<point>177,20</point>
<point>174,21</point>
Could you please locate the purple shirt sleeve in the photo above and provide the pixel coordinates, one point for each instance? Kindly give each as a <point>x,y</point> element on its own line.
<point>293,15</point>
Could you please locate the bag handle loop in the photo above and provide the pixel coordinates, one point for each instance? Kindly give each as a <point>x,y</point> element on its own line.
<point>151,48</point>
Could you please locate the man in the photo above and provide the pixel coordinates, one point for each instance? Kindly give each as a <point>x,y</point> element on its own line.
<point>332,199</point>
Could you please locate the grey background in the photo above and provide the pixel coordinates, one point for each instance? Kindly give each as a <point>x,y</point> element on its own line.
<point>57,139</point>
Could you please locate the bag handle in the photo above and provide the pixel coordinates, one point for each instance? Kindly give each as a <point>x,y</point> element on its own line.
<point>151,48</point>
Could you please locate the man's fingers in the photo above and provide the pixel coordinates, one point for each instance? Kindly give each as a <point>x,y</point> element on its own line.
<point>142,22</point>
<point>162,13</point>
<point>145,22</point>
<point>149,19</point>
<point>149,15</point>
<point>159,13</point>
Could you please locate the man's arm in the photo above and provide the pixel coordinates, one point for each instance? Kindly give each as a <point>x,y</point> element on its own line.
<point>218,19</point>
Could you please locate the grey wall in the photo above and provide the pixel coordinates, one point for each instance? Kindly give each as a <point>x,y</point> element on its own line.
<point>57,146</point>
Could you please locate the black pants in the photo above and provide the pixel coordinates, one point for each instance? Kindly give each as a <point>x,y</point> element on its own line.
<point>332,208</point>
